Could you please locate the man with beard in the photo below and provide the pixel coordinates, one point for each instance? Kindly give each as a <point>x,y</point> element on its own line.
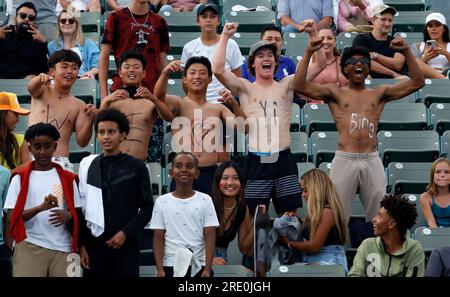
<point>23,48</point>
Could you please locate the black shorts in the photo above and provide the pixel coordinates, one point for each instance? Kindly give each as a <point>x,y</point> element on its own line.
<point>272,180</point>
<point>204,181</point>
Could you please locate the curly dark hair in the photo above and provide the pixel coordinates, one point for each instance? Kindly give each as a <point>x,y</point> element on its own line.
<point>401,210</point>
<point>41,129</point>
<point>350,52</point>
<point>113,115</point>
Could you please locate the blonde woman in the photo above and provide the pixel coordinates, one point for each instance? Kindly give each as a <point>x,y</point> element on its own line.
<point>324,231</point>
<point>70,36</point>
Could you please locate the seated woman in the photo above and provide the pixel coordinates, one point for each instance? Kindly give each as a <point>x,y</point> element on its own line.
<point>232,212</point>
<point>13,149</point>
<point>354,16</point>
<point>81,5</point>
<point>435,201</point>
<point>324,67</point>
<point>434,51</point>
<point>324,231</point>
<point>70,36</point>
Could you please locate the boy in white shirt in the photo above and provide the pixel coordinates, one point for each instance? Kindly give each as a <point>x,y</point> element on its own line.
<point>208,20</point>
<point>184,224</point>
<point>41,201</point>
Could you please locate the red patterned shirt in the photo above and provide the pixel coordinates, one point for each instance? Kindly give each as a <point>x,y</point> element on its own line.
<point>148,34</point>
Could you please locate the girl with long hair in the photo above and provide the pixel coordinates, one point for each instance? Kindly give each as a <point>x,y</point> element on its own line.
<point>324,230</point>
<point>232,211</point>
<point>435,201</point>
<point>13,150</point>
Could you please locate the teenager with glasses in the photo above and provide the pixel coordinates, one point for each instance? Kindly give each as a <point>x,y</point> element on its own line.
<point>23,48</point>
<point>70,36</point>
<point>357,111</point>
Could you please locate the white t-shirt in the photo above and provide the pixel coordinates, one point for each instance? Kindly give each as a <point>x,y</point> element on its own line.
<point>233,60</point>
<point>184,220</point>
<point>39,231</point>
<point>440,62</point>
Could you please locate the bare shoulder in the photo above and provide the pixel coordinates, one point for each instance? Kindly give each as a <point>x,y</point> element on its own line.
<point>425,198</point>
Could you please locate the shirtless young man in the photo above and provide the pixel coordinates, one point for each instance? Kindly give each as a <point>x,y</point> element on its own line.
<point>137,103</point>
<point>204,118</point>
<point>356,111</point>
<point>54,104</point>
<point>271,169</point>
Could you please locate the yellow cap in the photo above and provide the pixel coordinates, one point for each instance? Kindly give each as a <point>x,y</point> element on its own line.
<point>8,101</point>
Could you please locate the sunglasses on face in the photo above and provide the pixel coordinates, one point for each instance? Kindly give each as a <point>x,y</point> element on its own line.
<point>24,15</point>
<point>65,21</point>
<point>354,61</point>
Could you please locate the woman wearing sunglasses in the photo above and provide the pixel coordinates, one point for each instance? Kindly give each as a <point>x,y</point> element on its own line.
<point>70,36</point>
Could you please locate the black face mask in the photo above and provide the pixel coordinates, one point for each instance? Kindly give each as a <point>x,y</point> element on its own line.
<point>23,29</point>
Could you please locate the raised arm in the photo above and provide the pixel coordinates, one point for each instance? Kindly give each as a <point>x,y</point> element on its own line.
<point>37,85</point>
<point>83,123</point>
<point>226,77</point>
<point>405,87</point>
<point>300,84</point>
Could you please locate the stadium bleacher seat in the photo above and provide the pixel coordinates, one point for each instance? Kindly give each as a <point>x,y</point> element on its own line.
<point>17,86</point>
<point>403,116</point>
<point>22,125</point>
<point>299,146</point>
<point>325,166</point>
<point>167,179</point>
<point>90,22</point>
<point>410,37</point>
<point>323,146</point>
<point>77,153</point>
<point>302,270</point>
<point>294,44</point>
<point>357,210</point>
<point>372,83</point>
<point>179,39</point>
<point>406,5</point>
<point>445,149</point>
<point>434,91</point>
<point>86,90</point>
<point>147,271</point>
<point>181,21</point>
<point>408,146</point>
<point>440,117</point>
<point>154,170</point>
<point>245,40</point>
<point>432,238</point>
<point>409,21</point>
<point>175,87</point>
<point>295,118</point>
<point>303,167</point>
<point>420,220</point>
<point>317,117</point>
<point>250,21</point>
<point>345,39</point>
<point>408,177</point>
<point>167,151</point>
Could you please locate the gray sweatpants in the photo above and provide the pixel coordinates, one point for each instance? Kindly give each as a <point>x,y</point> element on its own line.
<point>364,170</point>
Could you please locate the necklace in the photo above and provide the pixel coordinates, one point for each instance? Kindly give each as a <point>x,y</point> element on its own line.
<point>331,63</point>
<point>228,208</point>
<point>136,22</point>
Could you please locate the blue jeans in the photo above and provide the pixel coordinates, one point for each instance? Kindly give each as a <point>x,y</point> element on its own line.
<point>221,253</point>
<point>288,28</point>
<point>328,255</point>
